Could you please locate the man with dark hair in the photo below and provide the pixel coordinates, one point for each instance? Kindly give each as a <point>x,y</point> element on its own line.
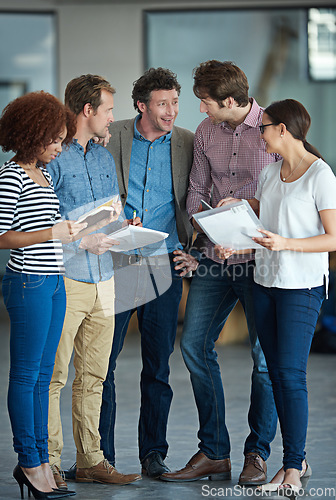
<point>84,177</point>
<point>153,160</point>
<point>228,156</point>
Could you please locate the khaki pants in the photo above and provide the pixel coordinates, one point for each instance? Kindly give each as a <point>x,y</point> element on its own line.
<point>88,330</point>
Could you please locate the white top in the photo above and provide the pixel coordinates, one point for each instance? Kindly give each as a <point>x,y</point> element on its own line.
<point>27,206</point>
<point>292,210</point>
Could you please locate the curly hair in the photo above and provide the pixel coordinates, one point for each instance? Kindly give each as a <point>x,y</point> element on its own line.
<point>86,89</point>
<point>31,122</point>
<point>220,80</point>
<point>153,79</point>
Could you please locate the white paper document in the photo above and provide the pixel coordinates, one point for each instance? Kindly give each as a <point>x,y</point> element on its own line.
<point>231,226</point>
<point>132,237</point>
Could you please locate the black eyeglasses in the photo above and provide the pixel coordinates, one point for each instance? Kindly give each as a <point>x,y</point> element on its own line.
<point>262,127</point>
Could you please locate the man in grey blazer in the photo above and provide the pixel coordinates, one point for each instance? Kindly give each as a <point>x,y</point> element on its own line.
<point>153,159</point>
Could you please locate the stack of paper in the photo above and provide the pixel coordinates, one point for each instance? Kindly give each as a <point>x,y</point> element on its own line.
<point>132,237</point>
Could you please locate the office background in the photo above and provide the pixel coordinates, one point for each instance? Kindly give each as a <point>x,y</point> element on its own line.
<point>120,38</point>
<point>45,43</point>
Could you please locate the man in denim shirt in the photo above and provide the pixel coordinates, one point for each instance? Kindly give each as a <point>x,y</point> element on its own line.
<point>84,177</point>
<point>153,160</point>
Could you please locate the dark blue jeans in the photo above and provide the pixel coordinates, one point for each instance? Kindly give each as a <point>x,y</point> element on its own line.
<point>214,291</point>
<point>157,322</point>
<point>286,321</point>
<point>36,307</point>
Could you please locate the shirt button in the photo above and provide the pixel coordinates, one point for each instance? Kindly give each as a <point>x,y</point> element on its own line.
<point>233,173</point>
<point>149,168</point>
<point>147,190</point>
<point>231,192</point>
<point>234,154</point>
<point>146,210</point>
<point>237,134</point>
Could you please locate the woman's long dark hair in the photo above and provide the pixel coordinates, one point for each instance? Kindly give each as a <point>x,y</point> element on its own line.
<point>296,118</point>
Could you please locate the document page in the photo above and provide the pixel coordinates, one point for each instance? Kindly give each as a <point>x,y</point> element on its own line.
<point>231,226</point>
<point>132,237</point>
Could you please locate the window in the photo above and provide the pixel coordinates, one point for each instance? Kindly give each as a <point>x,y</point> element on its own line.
<point>322,44</point>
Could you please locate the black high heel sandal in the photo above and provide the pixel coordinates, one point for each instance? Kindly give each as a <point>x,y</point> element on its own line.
<point>22,479</point>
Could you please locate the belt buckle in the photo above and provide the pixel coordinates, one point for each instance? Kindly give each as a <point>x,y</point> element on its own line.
<point>137,262</point>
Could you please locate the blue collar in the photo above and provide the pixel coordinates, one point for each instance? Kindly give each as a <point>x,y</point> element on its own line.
<point>139,137</point>
<point>80,148</point>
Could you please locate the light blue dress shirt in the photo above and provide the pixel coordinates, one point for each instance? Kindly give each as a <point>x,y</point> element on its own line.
<point>83,181</point>
<point>150,190</point>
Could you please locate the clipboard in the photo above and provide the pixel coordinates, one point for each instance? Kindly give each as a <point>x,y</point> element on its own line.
<point>231,226</point>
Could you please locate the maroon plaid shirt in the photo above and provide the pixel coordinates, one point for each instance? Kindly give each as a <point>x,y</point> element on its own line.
<point>226,163</point>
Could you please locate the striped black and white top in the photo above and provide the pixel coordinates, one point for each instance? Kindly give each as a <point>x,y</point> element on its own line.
<point>27,206</point>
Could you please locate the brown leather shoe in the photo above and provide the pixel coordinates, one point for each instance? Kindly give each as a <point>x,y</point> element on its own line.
<point>59,477</point>
<point>200,466</point>
<point>254,470</point>
<point>104,473</point>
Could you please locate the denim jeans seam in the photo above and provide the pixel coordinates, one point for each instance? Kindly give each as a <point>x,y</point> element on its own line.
<point>59,283</point>
<point>108,379</point>
<point>31,285</point>
<point>41,408</point>
<point>209,371</point>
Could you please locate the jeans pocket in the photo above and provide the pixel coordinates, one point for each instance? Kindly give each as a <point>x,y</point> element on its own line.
<point>33,280</point>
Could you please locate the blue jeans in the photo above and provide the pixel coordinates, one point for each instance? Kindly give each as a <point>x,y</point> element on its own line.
<point>286,321</point>
<point>157,322</point>
<point>36,308</point>
<point>214,291</point>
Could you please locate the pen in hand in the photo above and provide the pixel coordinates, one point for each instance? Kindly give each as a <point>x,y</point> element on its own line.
<point>135,221</point>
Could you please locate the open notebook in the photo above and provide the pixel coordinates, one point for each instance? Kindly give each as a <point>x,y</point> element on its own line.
<point>100,213</point>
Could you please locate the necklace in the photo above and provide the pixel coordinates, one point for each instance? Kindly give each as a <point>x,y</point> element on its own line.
<point>297,166</point>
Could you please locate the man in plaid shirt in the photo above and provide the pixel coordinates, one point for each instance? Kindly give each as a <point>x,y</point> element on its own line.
<point>228,157</point>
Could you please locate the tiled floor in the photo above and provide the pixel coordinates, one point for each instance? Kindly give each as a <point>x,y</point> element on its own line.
<point>236,371</point>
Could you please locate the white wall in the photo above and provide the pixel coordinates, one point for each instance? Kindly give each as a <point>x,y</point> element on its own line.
<point>103,40</point>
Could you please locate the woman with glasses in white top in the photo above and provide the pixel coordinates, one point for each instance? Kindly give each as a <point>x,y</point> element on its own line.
<point>296,202</point>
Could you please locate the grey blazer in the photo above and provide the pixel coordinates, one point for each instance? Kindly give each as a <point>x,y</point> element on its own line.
<point>120,146</point>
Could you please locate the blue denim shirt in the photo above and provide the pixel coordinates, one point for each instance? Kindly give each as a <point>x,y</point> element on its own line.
<point>150,189</point>
<point>83,181</point>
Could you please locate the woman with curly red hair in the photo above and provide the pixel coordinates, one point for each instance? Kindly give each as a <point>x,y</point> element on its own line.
<point>34,127</point>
